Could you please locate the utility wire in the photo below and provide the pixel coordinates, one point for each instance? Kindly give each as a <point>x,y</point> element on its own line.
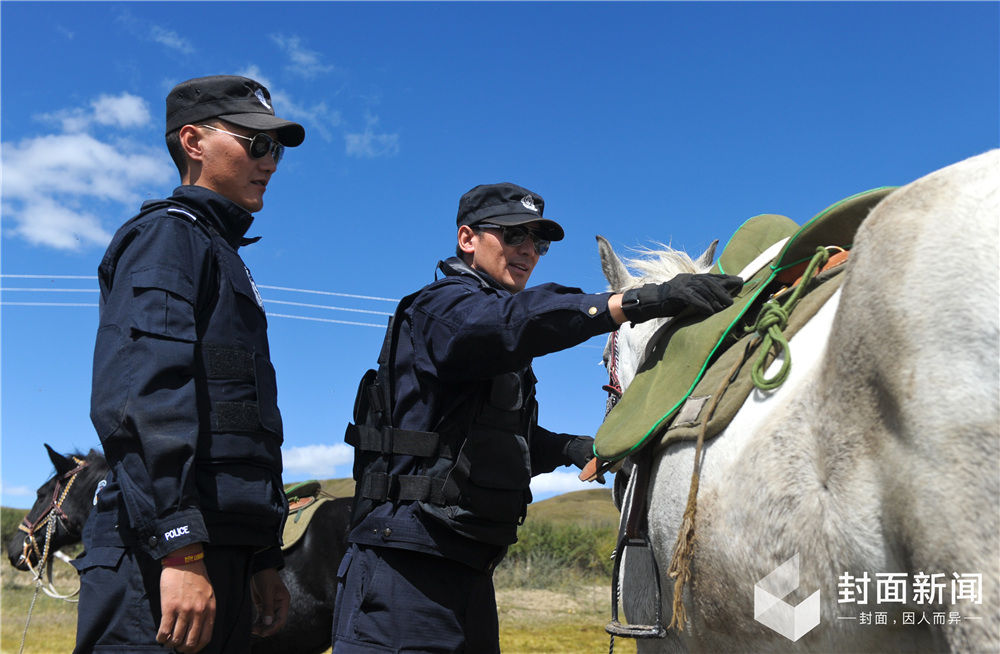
<point>324,306</point>
<point>339,322</point>
<point>49,276</point>
<point>269,314</point>
<point>272,288</point>
<point>267,301</point>
<point>47,304</point>
<point>305,290</point>
<point>262,286</point>
<point>51,290</point>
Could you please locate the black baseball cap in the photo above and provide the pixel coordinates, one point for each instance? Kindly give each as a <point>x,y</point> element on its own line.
<point>237,100</point>
<point>506,204</point>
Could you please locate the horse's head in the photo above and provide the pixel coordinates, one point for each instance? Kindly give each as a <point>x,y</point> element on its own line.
<point>63,505</point>
<point>628,348</point>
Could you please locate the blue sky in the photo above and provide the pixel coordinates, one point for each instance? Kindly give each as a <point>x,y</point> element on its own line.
<point>643,122</point>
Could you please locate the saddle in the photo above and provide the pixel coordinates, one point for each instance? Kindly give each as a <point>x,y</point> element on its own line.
<point>303,500</point>
<point>691,357</point>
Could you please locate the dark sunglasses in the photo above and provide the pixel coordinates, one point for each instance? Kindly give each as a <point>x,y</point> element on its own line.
<point>260,144</point>
<point>515,235</point>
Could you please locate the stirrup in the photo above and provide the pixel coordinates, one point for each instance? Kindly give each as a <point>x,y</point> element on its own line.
<point>615,627</point>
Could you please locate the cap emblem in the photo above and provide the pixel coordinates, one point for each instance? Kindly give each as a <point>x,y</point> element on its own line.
<point>263,100</point>
<point>529,203</point>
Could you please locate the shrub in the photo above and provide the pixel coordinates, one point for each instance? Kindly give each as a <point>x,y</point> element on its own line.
<point>546,554</point>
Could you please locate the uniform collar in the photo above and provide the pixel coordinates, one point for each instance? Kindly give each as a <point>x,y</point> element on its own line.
<point>226,217</point>
<point>453,266</point>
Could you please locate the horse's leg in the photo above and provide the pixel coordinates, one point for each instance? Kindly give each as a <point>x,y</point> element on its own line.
<point>914,374</point>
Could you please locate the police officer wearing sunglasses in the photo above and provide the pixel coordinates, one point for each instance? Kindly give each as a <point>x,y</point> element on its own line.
<point>186,527</point>
<point>445,431</point>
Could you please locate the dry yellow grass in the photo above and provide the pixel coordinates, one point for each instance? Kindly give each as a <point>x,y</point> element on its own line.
<point>556,622</point>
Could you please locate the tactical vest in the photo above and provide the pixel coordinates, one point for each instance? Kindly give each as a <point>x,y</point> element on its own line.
<point>471,474</point>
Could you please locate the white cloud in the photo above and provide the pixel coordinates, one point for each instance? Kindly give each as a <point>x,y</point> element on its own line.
<point>319,461</point>
<point>369,144</point>
<point>316,117</point>
<point>253,72</point>
<point>126,111</point>
<point>123,110</point>
<point>305,62</point>
<point>47,180</point>
<point>18,491</point>
<point>149,31</point>
<point>170,39</point>
<point>46,222</point>
<point>559,482</point>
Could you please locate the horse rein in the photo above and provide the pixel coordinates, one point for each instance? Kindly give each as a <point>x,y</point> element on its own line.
<point>48,518</point>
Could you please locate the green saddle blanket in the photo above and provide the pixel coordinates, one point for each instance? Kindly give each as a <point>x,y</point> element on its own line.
<point>303,500</point>
<point>761,248</point>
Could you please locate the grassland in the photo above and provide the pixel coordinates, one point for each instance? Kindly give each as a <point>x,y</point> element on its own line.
<point>553,591</point>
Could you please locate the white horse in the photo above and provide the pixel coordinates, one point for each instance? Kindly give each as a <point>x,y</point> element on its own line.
<point>877,463</point>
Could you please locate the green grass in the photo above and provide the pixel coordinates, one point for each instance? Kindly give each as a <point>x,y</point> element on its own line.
<point>53,622</point>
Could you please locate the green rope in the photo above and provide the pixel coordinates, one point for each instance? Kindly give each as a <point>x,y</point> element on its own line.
<point>771,323</point>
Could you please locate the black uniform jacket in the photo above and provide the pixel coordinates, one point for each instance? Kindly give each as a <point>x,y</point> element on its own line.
<point>184,397</point>
<point>458,334</point>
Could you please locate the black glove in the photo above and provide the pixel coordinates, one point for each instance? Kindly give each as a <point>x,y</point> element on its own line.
<point>704,294</point>
<point>580,450</point>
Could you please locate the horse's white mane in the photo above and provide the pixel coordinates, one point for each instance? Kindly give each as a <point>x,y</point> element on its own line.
<point>660,263</point>
<point>654,264</point>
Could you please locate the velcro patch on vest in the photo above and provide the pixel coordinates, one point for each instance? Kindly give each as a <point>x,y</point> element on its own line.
<point>236,417</point>
<point>229,363</point>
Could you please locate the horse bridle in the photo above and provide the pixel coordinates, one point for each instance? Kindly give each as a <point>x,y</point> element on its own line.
<point>614,385</point>
<point>48,517</point>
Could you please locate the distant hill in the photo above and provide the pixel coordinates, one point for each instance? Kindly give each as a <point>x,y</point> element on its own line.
<point>587,507</point>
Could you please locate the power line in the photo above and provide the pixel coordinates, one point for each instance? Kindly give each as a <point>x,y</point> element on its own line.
<point>324,306</point>
<point>49,276</point>
<point>339,322</point>
<point>87,290</point>
<point>305,290</point>
<point>272,288</point>
<point>269,314</point>
<point>51,290</point>
<point>267,301</point>
<point>47,304</point>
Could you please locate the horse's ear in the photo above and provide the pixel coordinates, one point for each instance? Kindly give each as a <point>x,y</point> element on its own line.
<point>615,271</point>
<point>704,262</point>
<point>61,463</point>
